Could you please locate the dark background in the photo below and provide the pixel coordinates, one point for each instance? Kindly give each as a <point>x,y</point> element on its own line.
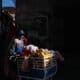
<point>72,40</point>
<point>28,10</point>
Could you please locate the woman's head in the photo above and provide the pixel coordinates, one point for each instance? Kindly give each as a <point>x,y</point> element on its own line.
<point>22,37</point>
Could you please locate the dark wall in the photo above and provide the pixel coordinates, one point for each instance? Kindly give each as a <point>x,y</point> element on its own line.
<point>72,38</point>
<point>27,10</point>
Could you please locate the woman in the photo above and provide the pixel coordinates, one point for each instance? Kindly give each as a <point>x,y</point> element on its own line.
<point>6,28</point>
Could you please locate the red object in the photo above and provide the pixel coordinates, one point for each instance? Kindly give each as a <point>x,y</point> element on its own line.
<point>24,53</point>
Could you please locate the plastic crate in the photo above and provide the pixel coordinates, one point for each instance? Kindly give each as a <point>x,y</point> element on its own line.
<point>35,63</point>
<point>42,63</point>
<point>38,68</point>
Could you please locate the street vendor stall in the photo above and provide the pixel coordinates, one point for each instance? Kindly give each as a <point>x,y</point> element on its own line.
<point>36,63</point>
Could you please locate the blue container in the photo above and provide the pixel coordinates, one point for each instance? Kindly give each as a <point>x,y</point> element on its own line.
<point>8,3</point>
<point>19,50</point>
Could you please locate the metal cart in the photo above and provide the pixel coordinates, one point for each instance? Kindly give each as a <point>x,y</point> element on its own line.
<point>36,72</point>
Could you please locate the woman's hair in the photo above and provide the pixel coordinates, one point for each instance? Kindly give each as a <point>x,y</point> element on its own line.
<point>21,33</point>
